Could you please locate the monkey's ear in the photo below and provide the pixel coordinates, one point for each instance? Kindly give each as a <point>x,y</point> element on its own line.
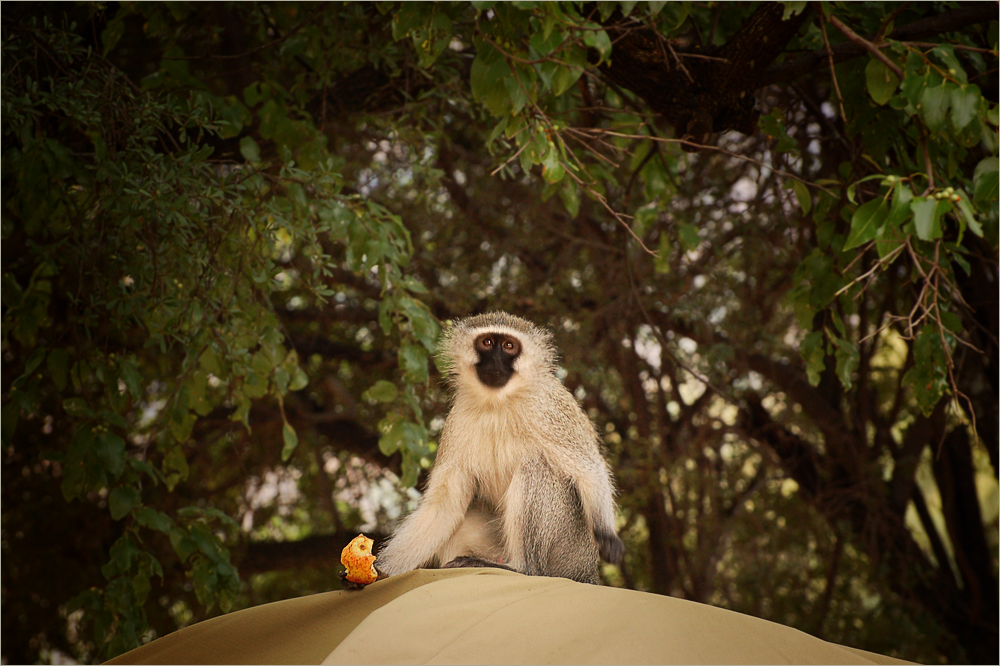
<point>610,546</point>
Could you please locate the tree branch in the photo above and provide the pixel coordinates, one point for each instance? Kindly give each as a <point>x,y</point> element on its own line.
<point>790,70</point>
<point>868,46</point>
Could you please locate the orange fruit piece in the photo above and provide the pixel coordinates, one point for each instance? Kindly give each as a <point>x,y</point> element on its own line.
<point>357,558</point>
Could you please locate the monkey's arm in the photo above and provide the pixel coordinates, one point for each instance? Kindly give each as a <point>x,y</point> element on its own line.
<point>577,446</point>
<point>597,495</point>
<point>423,533</point>
<point>581,454</point>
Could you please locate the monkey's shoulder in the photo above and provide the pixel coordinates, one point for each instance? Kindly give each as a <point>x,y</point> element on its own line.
<point>523,423</point>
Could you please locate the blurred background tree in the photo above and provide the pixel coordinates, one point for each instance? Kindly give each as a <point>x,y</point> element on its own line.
<point>765,236</point>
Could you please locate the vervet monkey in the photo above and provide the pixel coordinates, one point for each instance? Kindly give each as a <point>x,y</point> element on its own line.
<point>519,481</point>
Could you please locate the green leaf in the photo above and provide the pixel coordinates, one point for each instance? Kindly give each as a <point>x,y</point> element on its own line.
<point>413,361</point>
<point>934,104</point>
<point>281,379</point>
<point>912,87</point>
<point>946,53</point>
<point>866,222</point>
<point>110,450</point>
<point>662,264</point>
<point>881,81</point>
<point>847,356</point>
<point>122,555</point>
<point>141,586</point>
<point>596,38</point>
<point>803,196</point>
<point>570,195</point>
<point>518,88</point>
<point>183,544</point>
<point>927,214</point>
<point>131,377</point>
<point>552,169</point>
<point>381,391</point>
<point>431,39</point>
<point>114,419</point>
<point>964,105</point>
<point>814,354</point>
<point>249,149</point>
<point>409,17</point>
<point>153,519</point>
<point>688,236</point>
<point>112,33</point>
<point>77,408</point>
<point>544,44</point>
<point>291,440</point>
<point>392,439</point>
<point>985,182</point>
<point>793,7</point>
<point>9,416</point>
<point>423,325</point>
<point>902,195</point>
<point>299,379</point>
<point>121,500</point>
<point>567,74</point>
<point>58,364</point>
<point>175,467</point>
<point>181,423</point>
<point>928,377</point>
<point>852,188</point>
<point>968,213</point>
<point>415,438</point>
<point>486,77</point>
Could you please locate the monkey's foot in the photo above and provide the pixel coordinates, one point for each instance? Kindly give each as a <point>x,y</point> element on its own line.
<point>466,561</point>
<point>350,584</point>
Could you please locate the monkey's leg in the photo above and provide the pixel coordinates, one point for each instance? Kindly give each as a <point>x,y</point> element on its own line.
<point>474,562</point>
<point>545,528</point>
<point>477,537</point>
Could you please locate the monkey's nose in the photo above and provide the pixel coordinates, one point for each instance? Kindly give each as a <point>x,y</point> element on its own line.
<point>494,372</point>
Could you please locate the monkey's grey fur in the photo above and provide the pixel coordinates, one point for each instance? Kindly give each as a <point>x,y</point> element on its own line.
<point>520,480</point>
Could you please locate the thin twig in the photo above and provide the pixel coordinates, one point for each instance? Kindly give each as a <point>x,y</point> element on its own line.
<point>880,34</point>
<point>928,165</point>
<point>957,47</point>
<point>666,348</point>
<point>718,149</point>
<point>829,55</point>
<point>306,21</point>
<point>864,43</point>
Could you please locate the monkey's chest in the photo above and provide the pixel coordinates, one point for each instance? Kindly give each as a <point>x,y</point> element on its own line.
<point>500,452</point>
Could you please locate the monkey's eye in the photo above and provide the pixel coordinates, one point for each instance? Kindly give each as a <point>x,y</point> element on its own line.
<point>510,346</point>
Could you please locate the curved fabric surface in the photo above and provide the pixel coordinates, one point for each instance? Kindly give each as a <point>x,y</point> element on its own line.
<point>490,616</point>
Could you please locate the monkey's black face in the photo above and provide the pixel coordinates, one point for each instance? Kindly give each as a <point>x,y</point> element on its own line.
<point>497,353</point>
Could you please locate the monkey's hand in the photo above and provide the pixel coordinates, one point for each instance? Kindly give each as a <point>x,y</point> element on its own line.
<point>610,546</point>
<point>466,561</point>
<point>348,584</point>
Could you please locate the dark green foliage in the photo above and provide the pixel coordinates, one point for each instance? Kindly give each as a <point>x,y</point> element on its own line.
<point>231,233</point>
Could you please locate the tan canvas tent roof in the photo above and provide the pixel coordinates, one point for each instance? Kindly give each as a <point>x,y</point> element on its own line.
<point>491,616</point>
